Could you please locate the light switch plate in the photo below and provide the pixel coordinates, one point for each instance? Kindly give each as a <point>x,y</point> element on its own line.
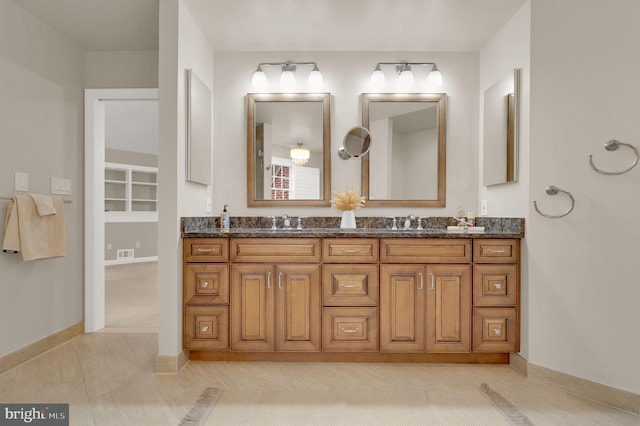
<point>60,186</point>
<point>21,181</point>
<point>483,208</point>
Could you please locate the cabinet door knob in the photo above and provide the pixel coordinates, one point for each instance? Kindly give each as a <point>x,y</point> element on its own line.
<point>497,286</point>
<point>497,331</point>
<point>205,284</point>
<point>350,330</point>
<point>204,328</point>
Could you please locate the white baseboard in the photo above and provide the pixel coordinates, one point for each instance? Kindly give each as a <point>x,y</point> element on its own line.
<point>130,260</point>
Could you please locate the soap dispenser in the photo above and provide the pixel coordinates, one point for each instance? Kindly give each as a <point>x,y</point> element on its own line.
<point>224,218</point>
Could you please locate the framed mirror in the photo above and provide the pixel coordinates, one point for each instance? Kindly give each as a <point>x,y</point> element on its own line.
<point>406,165</point>
<point>288,149</point>
<point>500,133</point>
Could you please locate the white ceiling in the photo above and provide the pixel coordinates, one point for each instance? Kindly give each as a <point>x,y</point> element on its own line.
<point>287,25</point>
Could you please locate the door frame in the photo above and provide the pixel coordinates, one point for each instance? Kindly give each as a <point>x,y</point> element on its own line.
<point>94,146</point>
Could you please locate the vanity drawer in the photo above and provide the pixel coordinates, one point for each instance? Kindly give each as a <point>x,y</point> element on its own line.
<point>495,330</point>
<point>206,284</point>
<point>358,250</point>
<point>275,250</point>
<point>350,285</point>
<point>425,251</point>
<point>206,250</point>
<point>495,285</point>
<point>350,329</point>
<point>496,251</point>
<point>206,327</point>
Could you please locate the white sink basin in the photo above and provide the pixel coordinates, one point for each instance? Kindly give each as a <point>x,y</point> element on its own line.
<point>474,229</point>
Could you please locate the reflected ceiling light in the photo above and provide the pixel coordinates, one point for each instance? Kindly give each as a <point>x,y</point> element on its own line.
<point>434,78</point>
<point>288,75</point>
<point>299,155</point>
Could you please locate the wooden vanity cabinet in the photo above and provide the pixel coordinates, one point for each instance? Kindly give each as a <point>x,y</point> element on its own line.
<point>425,307</point>
<point>356,299</point>
<point>496,296</point>
<point>206,293</point>
<point>350,294</point>
<point>275,306</point>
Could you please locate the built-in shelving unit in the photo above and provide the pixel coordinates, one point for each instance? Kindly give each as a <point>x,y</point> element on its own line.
<point>130,193</point>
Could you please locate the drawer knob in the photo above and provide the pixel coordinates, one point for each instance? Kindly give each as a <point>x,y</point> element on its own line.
<point>205,284</point>
<point>350,330</point>
<point>204,328</point>
<point>204,250</point>
<point>497,286</point>
<point>497,331</point>
<point>351,250</point>
<point>496,251</point>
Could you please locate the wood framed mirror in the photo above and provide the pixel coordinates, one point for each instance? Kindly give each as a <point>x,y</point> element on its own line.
<point>406,165</point>
<point>276,124</point>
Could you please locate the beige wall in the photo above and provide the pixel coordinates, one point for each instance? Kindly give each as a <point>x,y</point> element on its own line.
<point>583,274</point>
<point>121,70</point>
<point>41,122</point>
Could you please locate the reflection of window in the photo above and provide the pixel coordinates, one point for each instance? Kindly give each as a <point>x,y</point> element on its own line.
<point>280,182</point>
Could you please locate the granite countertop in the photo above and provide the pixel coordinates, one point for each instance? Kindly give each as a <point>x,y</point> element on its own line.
<point>250,227</point>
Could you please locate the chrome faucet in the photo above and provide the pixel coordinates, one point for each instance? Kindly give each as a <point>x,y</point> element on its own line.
<point>287,221</point>
<point>419,227</point>
<point>273,222</point>
<point>407,221</point>
<point>394,223</point>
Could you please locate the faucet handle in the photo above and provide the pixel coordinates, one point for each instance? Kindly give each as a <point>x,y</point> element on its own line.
<point>394,223</point>
<point>299,227</point>
<point>420,222</point>
<point>273,222</point>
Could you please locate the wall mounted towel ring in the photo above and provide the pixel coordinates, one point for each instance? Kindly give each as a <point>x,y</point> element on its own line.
<point>553,190</point>
<point>613,145</point>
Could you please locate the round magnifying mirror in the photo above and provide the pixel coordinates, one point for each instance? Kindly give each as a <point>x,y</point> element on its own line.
<point>356,143</point>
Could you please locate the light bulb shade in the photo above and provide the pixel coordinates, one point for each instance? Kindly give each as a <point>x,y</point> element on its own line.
<point>315,77</point>
<point>288,78</point>
<point>299,155</point>
<point>434,78</point>
<point>406,76</point>
<point>377,77</point>
<point>259,79</point>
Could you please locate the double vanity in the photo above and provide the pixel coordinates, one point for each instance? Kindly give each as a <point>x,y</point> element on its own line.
<point>370,294</point>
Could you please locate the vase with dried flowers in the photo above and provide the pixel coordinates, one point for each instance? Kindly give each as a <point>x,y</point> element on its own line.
<point>347,201</point>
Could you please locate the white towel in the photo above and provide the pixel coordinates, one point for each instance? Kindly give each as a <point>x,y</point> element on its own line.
<point>44,204</point>
<point>35,236</point>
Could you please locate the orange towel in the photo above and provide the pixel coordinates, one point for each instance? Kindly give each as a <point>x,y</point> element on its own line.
<point>35,236</point>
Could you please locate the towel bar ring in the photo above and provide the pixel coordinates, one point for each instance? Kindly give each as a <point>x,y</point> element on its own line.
<point>553,190</point>
<point>613,145</point>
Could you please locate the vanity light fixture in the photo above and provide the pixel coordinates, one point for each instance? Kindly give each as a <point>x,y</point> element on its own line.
<point>299,155</point>
<point>287,77</point>
<point>405,74</point>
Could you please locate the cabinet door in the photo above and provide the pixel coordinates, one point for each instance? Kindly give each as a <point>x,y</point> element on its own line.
<point>252,313</point>
<point>402,303</point>
<point>448,308</point>
<point>298,313</point>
